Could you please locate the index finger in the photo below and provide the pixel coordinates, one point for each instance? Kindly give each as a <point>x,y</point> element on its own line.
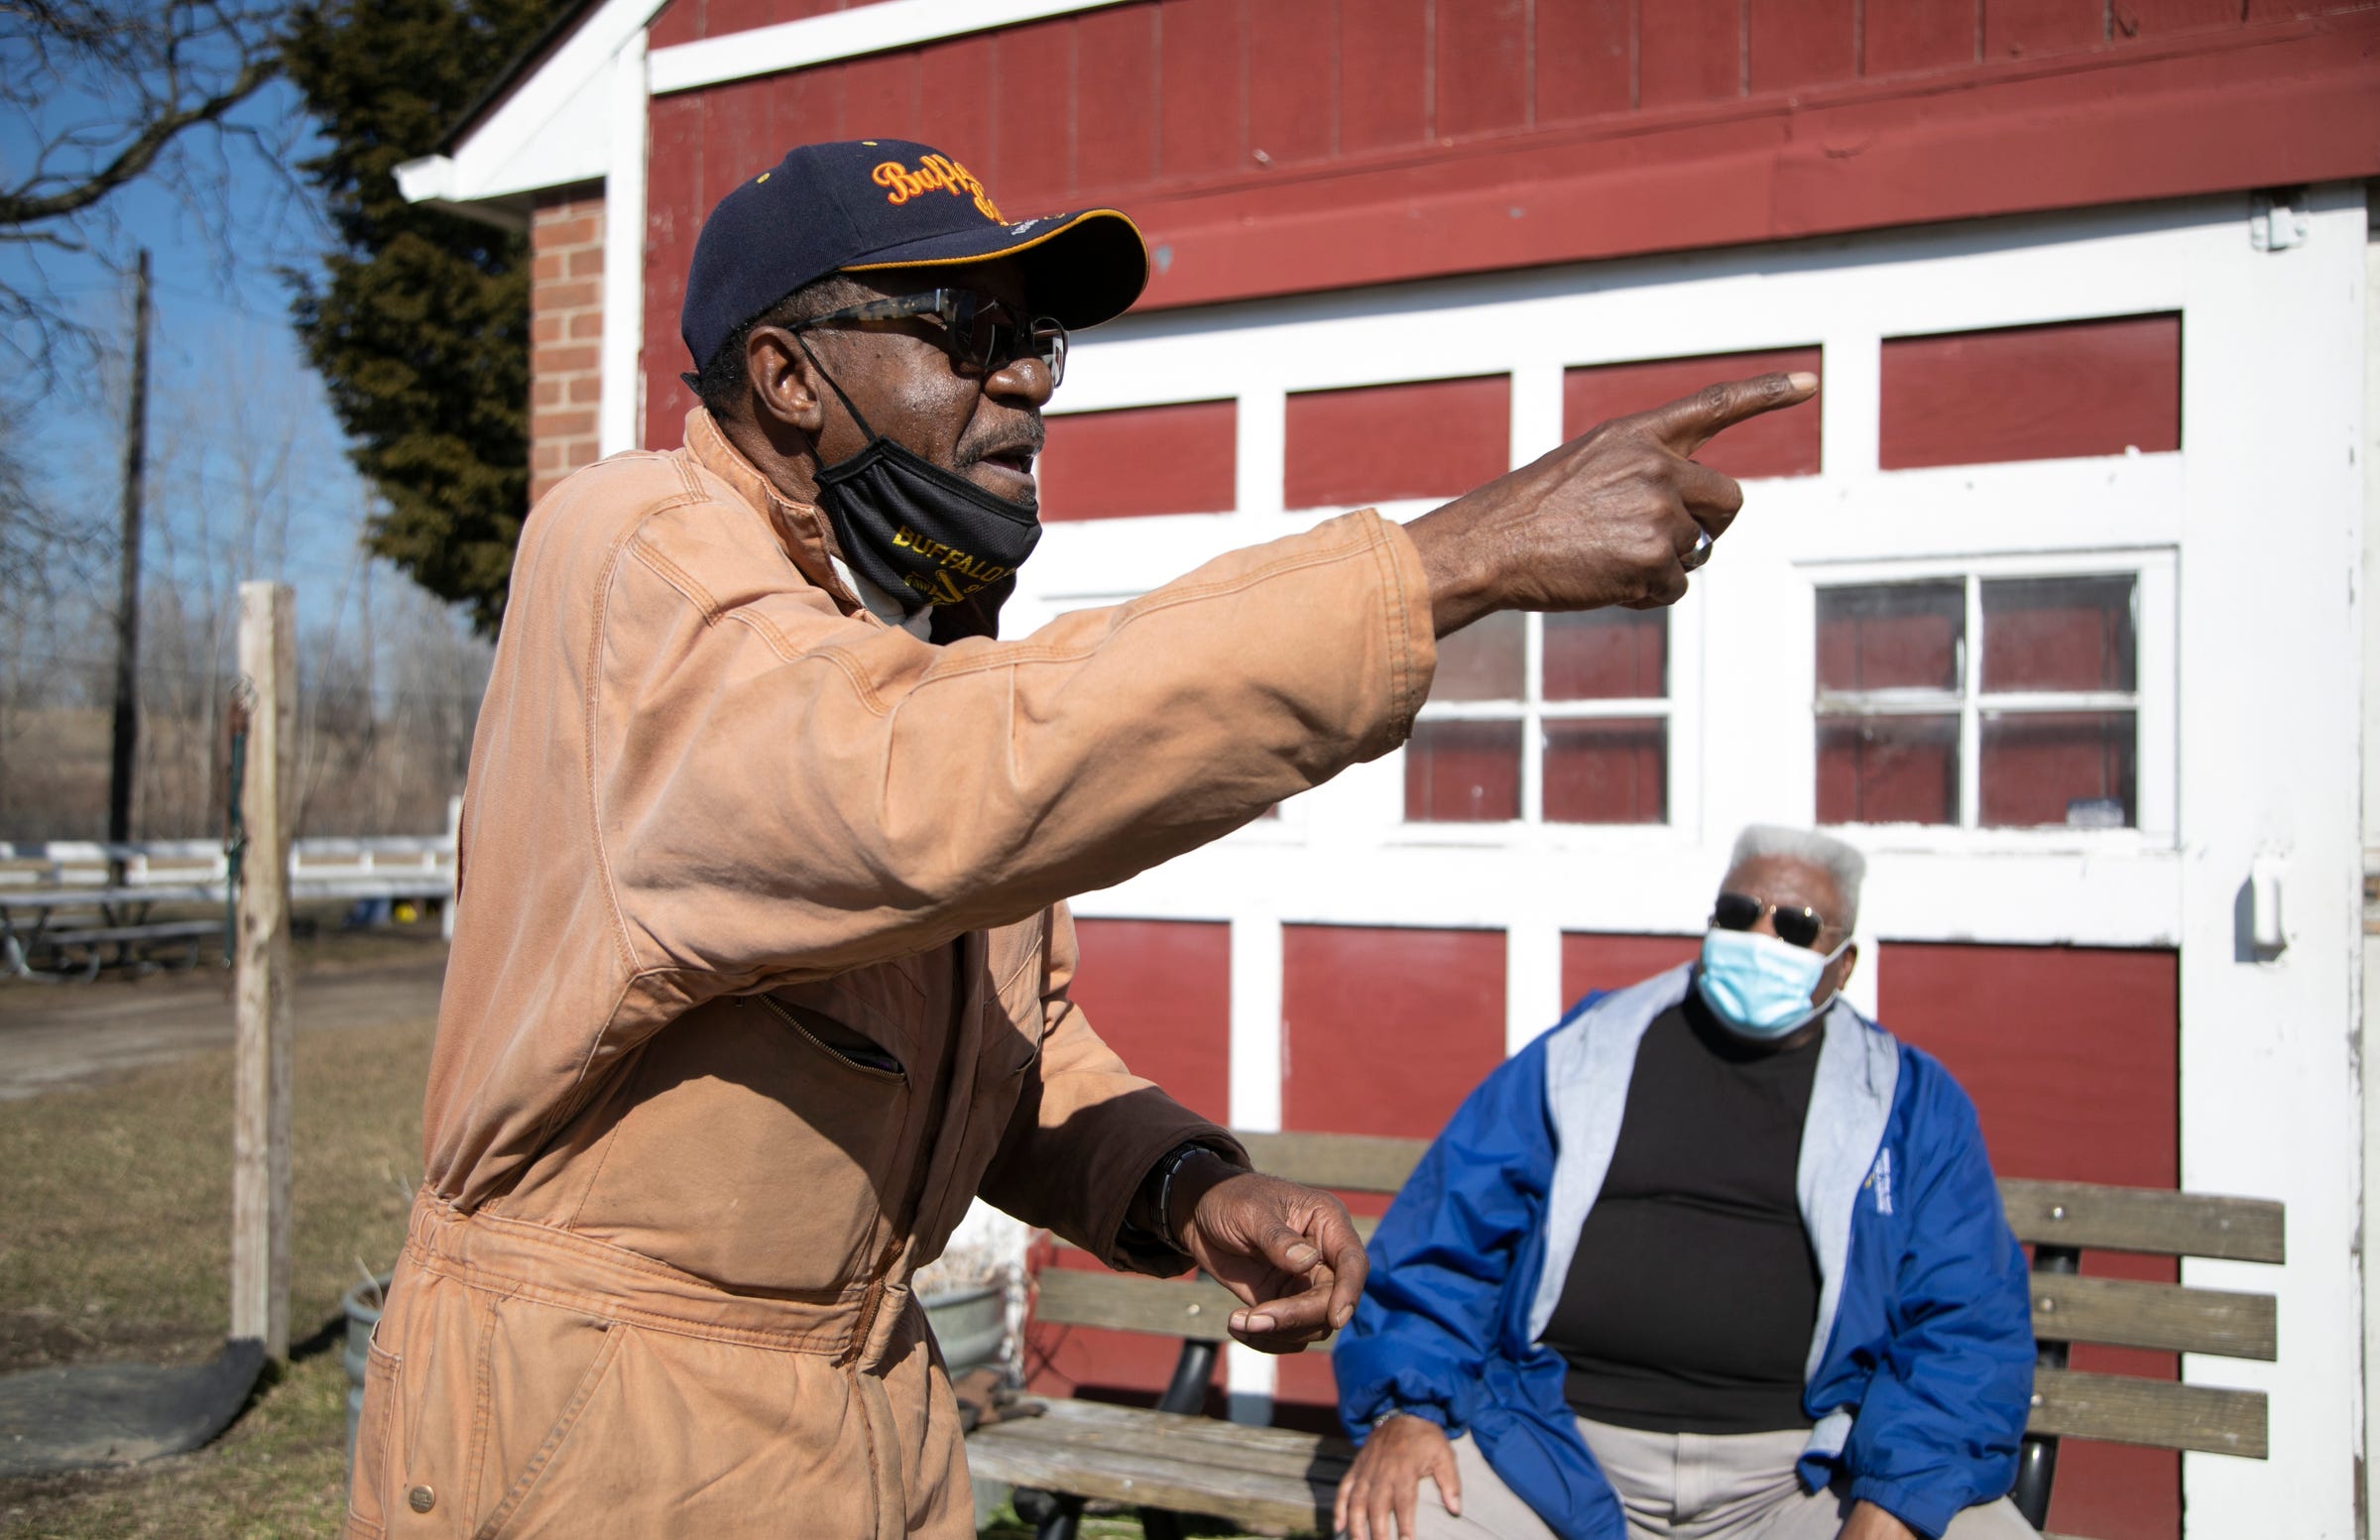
<point>1691,421</point>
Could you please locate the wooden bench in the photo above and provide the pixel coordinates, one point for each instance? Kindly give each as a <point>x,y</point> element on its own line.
<point>1171,1460</point>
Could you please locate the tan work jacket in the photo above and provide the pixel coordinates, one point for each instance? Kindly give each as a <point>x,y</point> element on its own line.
<point>761,976</point>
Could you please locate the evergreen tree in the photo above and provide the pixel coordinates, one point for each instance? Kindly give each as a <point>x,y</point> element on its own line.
<point>420,322</point>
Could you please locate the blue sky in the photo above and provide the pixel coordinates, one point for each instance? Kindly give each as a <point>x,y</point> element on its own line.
<point>224,361</point>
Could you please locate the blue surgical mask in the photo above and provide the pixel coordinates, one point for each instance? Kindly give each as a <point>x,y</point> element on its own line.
<point>1759,985</point>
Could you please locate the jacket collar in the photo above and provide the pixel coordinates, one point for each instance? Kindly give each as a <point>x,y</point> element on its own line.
<point>801,527</point>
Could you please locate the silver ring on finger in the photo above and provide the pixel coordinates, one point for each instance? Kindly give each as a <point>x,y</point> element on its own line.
<point>1700,553</point>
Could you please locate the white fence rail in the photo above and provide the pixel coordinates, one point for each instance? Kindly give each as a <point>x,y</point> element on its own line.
<point>398,866</point>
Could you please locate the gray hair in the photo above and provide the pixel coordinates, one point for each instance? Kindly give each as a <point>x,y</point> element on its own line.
<point>1841,861</point>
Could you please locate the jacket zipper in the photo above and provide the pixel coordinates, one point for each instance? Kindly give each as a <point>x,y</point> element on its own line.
<point>900,1222</point>
<point>894,1076</point>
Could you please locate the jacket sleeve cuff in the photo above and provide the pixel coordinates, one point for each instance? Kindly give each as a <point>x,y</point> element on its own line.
<point>1133,1249</point>
<point>1412,631</point>
<point>1928,1512</point>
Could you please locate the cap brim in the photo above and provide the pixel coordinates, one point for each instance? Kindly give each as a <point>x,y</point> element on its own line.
<point>1082,268</point>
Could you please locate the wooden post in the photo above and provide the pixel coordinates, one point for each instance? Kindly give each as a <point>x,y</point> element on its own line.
<point>260,1159</point>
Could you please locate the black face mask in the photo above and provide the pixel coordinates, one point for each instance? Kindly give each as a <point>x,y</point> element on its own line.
<point>925,535</point>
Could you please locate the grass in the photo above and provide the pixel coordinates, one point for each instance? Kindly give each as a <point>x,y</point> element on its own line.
<point>115,1245</point>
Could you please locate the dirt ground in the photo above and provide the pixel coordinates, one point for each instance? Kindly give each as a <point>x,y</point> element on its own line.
<point>53,1035</point>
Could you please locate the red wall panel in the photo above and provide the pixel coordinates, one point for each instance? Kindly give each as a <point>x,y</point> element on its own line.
<point>1607,962</point>
<point>1790,45</point>
<point>2072,1055</point>
<point>1202,98</point>
<point>1775,443</point>
<point>1034,76</point>
<point>1292,80</point>
<point>674,214</point>
<point>1483,71</point>
<point>1586,59</point>
<point>1115,136</point>
<point>881,99</point>
<point>2033,392</point>
<point>1160,992</point>
<point>1384,74</point>
<point>2158,18</point>
<point>1386,1030</point>
<point>1689,51</point>
<point>954,100</point>
<point>1432,438</point>
<point>680,21</point>
<point>735,134</point>
<point>1178,459</point>
<point>2028,28</point>
<point>1898,36</point>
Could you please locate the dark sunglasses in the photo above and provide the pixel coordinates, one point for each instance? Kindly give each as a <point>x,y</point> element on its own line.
<point>1742,911</point>
<point>980,333</point>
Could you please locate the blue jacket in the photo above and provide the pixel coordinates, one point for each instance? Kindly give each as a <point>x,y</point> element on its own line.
<point>1920,1371</point>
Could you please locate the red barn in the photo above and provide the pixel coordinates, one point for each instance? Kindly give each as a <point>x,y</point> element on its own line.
<point>2056,603</point>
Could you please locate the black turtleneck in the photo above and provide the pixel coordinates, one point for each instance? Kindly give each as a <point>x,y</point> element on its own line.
<point>1690,1303</point>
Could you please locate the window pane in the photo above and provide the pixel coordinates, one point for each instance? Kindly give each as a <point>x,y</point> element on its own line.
<point>1463,772</point>
<point>1485,661</point>
<point>1888,770</point>
<point>2066,768</point>
<point>2058,634</point>
<point>1609,771</point>
<point>1608,655</point>
<point>1895,636</point>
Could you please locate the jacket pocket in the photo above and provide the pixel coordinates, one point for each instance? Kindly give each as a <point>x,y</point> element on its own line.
<point>516,1512</point>
<point>375,1463</point>
<point>855,1050</point>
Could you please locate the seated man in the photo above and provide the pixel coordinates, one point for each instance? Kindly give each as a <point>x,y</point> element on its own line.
<point>1714,1257</point>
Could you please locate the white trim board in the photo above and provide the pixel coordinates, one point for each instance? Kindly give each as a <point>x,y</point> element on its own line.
<point>550,131</point>
<point>866,28</point>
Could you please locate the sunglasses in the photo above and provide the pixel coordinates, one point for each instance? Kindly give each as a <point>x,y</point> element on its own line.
<point>980,333</point>
<point>1742,911</point>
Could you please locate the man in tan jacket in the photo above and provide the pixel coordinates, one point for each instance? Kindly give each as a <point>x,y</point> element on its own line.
<point>762,963</point>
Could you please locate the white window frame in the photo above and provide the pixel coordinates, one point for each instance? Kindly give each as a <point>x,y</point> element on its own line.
<point>2153,699</point>
<point>1532,711</point>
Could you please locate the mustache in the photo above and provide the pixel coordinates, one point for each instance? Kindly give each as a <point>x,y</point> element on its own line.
<point>1002,442</point>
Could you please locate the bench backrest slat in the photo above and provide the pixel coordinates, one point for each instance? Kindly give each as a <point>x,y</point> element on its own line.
<point>2163,1317</point>
<point>2075,1213</point>
<point>1344,1162</point>
<point>2122,1409</point>
<point>2144,1219</point>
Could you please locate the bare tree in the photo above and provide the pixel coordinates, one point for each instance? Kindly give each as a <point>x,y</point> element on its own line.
<point>105,93</point>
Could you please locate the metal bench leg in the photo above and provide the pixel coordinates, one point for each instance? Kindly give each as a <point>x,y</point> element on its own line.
<point>1186,1395</point>
<point>1053,1515</point>
<point>2037,1460</point>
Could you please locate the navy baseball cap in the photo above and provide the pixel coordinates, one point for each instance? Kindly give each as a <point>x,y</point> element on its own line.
<point>868,206</point>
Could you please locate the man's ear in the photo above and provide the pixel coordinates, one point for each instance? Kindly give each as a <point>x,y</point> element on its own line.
<point>785,384</point>
<point>1845,966</point>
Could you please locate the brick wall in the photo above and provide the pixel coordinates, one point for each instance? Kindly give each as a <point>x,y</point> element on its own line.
<point>565,328</point>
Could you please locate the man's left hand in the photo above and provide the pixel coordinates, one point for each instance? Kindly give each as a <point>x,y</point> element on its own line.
<point>1869,1523</point>
<point>1289,1252</point>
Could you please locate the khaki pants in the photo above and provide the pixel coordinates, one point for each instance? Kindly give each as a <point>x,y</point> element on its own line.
<point>1685,1486</point>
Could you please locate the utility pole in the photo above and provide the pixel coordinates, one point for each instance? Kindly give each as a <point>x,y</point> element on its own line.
<point>122,761</point>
